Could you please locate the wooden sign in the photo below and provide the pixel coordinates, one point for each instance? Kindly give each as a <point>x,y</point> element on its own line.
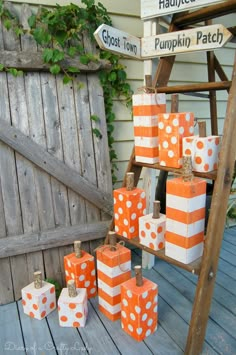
<point>109,38</point>
<point>155,8</point>
<point>197,39</point>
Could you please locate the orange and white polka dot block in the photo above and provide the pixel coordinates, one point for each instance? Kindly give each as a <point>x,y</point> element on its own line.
<point>129,205</point>
<point>113,268</point>
<point>152,228</point>
<point>145,110</point>
<point>139,306</point>
<point>172,128</point>
<point>72,306</point>
<point>38,298</point>
<point>185,218</point>
<point>80,266</point>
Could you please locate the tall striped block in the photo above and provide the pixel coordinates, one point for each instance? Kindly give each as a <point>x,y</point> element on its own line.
<point>172,128</point>
<point>139,306</point>
<point>185,218</point>
<point>113,268</point>
<point>145,110</point>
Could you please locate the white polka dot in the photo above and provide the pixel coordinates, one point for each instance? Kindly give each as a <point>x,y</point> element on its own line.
<point>95,283</point>
<point>144,211</point>
<point>148,305</point>
<point>175,122</point>
<point>73,275</point>
<point>191,129</point>
<point>116,216</point>
<point>155,309</point>
<point>122,325</point>
<point>144,317</point>
<point>148,332</point>
<point>163,163</point>
<point>160,125</point>
<point>132,229</point>
<point>123,314</point>
<point>166,116</point>
<point>130,327</point>
<point>128,204</point>
<point>81,278</point>
<point>155,299</point>
<point>126,222</point>
<point>120,210</point>
<point>165,144</point>
<point>173,140</point>
<point>125,302</point>
<point>132,316</point>
<point>143,195</point>
<point>150,321</point>
<point>139,331</point>
<point>116,228</point>
<point>168,129</point>
<point>140,205</point>
<point>114,200</point>
<point>188,116</point>
<point>137,309</point>
<point>124,234</point>
<point>83,266</point>
<point>87,283</point>
<point>93,272</point>
<point>93,290</point>
<point>69,263</point>
<point>121,197</point>
<point>133,216</point>
<point>170,154</point>
<point>67,273</point>
<point>181,130</point>
<point>129,294</point>
<point>144,295</point>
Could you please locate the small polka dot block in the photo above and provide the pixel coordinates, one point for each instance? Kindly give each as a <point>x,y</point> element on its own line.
<point>82,271</point>
<point>73,311</point>
<point>139,308</point>
<point>152,231</point>
<point>38,303</point>
<point>172,127</point>
<point>113,268</point>
<point>128,207</point>
<point>145,110</point>
<point>204,152</point>
<point>185,218</point>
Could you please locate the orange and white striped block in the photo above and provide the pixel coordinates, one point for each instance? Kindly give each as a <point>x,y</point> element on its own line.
<point>38,303</point>
<point>73,311</point>
<point>172,128</point>
<point>145,110</point>
<point>82,271</point>
<point>139,308</point>
<point>185,219</point>
<point>113,268</point>
<point>204,152</point>
<point>152,231</point>
<point>128,207</point>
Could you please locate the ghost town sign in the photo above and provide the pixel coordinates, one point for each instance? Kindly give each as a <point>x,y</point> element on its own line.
<point>155,8</point>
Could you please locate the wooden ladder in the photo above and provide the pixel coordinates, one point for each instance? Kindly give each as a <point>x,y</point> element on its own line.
<point>206,266</point>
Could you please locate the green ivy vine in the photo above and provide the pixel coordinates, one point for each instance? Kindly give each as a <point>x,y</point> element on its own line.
<point>58,32</point>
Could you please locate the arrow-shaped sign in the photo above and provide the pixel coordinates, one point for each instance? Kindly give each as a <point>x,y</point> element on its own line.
<point>197,39</point>
<point>155,8</point>
<point>109,38</point>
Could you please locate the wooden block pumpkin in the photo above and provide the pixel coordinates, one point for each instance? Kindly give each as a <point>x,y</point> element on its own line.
<point>129,205</point>
<point>172,127</point>
<point>80,266</point>
<point>185,217</point>
<point>152,228</point>
<point>139,306</point>
<point>38,298</point>
<point>72,306</point>
<point>113,268</point>
<point>145,110</point>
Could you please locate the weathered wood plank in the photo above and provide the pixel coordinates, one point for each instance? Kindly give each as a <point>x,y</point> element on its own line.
<point>39,156</point>
<point>27,243</point>
<point>11,339</point>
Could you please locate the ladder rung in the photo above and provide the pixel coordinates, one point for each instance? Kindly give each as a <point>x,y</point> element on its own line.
<point>223,85</point>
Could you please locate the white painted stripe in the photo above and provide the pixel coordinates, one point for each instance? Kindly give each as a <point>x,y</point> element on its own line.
<point>185,230</point>
<point>150,99</point>
<point>111,291</point>
<point>114,271</point>
<point>148,142</point>
<point>186,204</point>
<point>183,255</point>
<point>145,121</point>
<point>112,309</point>
<point>147,160</point>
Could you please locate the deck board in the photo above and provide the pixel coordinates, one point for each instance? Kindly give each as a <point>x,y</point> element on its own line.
<point>101,336</point>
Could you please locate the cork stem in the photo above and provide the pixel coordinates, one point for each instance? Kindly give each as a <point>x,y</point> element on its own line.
<point>38,282</point>
<point>202,128</point>
<point>77,248</point>
<point>112,240</point>
<point>138,274</point>
<point>71,288</point>
<point>187,168</point>
<point>129,181</point>
<point>156,209</point>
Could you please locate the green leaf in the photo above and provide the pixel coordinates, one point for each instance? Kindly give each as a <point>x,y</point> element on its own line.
<point>84,59</point>
<point>112,76</point>
<point>41,36</point>
<point>7,24</point>
<point>57,56</point>
<point>97,133</point>
<point>55,69</point>
<point>32,21</point>
<point>73,70</point>
<point>72,51</point>
<point>14,72</point>
<point>67,79</point>
<point>1,67</point>
<point>47,55</point>
<point>95,118</point>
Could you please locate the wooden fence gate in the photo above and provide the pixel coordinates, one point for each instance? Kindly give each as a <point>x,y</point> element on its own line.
<point>55,179</point>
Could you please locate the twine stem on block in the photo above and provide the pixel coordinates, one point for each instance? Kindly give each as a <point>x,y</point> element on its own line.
<point>112,240</point>
<point>71,288</point>
<point>77,248</point>
<point>129,181</point>
<point>187,168</point>
<point>202,128</point>
<point>156,209</point>
<point>38,283</point>
<point>138,274</point>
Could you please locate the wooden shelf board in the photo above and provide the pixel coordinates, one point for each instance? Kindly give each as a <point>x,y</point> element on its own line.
<point>193,267</point>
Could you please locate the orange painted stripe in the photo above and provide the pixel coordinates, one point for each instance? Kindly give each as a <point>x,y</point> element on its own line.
<point>141,131</point>
<point>146,152</point>
<point>112,317</point>
<point>184,242</point>
<point>113,258</point>
<point>181,188</point>
<point>148,110</point>
<point>185,217</point>
<point>112,300</point>
<point>115,281</point>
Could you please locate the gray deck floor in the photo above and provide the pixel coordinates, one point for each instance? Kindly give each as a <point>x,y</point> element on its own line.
<point>22,335</point>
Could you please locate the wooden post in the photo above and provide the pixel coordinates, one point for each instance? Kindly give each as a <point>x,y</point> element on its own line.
<point>112,240</point>
<point>38,282</point>
<point>202,128</point>
<point>156,209</point>
<point>77,248</point>
<point>215,229</point>
<point>138,274</point>
<point>129,181</point>
<point>71,288</point>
